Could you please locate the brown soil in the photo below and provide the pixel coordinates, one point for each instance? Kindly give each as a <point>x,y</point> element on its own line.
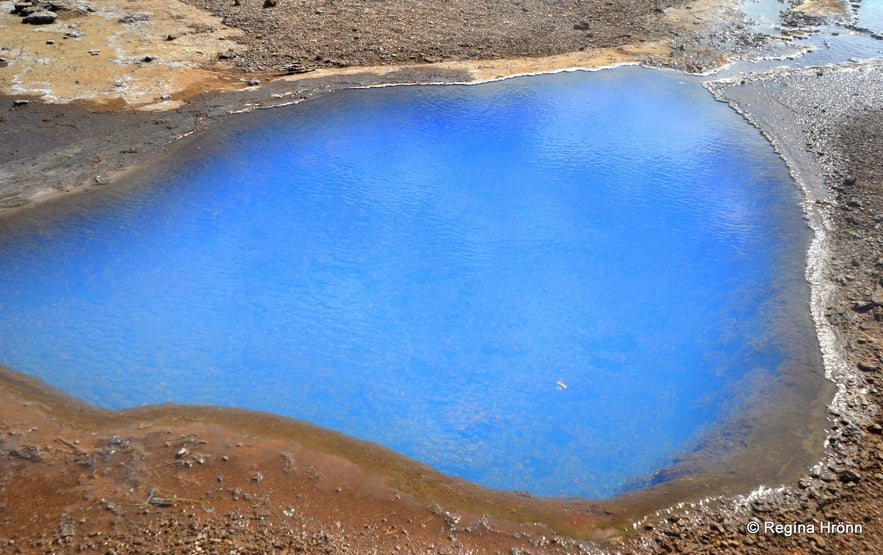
<point>181,480</point>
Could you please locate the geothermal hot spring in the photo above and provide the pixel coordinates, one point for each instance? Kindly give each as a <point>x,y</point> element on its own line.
<point>558,284</point>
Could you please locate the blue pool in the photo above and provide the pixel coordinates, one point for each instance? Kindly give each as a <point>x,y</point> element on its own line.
<point>555,283</point>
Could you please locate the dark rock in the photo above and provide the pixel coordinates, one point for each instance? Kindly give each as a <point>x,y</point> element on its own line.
<point>270,3</point>
<point>20,102</point>
<point>55,6</point>
<point>20,7</point>
<point>296,68</point>
<point>865,366</point>
<point>40,18</point>
<point>582,26</point>
<point>848,476</point>
<point>28,452</point>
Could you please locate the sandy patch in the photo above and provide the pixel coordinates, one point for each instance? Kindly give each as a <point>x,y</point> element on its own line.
<point>119,53</point>
<point>702,13</point>
<point>489,70</point>
<point>823,8</point>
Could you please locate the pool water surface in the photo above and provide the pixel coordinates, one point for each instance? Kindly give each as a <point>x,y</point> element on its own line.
<point>555,284</point>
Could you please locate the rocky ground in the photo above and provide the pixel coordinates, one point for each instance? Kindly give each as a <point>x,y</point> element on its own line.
<point>182,480</point>
<point>325,33</point>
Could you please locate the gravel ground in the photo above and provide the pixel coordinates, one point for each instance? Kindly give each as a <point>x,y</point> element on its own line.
<point>337,33</point>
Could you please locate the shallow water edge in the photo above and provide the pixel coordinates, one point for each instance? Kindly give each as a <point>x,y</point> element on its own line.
<point>692,477</point>
<point>718,449</point>
<point>580,519</point>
